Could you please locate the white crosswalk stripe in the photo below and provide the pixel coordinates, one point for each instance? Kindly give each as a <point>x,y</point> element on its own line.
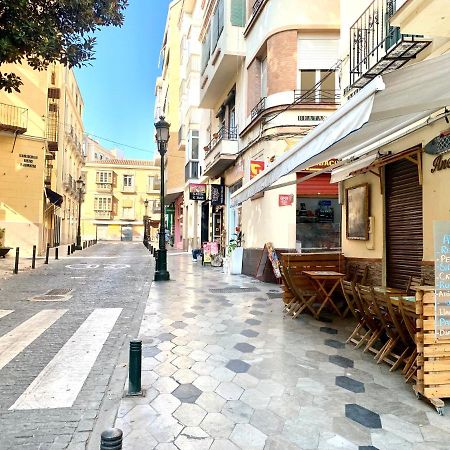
<point>5,312</point>
<point>14,342</point>
<point>60,382</point>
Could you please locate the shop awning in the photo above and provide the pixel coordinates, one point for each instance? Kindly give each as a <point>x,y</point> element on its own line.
<point>54,197</point>
<point>385,106</point>
<point>343,172</point>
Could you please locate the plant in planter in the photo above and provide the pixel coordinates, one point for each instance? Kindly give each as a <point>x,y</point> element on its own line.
<point>3,250</point>
<point>235,253</point>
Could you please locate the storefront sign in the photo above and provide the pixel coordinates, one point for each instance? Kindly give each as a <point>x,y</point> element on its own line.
<point>197,192</point>
<point>440,163</point>
<point>321,166</point>
<point>256,167</point>
<point>442,274</point>
<point>217,194</point>
<point>285,200</point>
<point>28,161</point>
<point>439,144</point>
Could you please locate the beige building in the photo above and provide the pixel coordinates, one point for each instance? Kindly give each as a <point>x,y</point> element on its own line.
<point>118,194</point>
<point>40,151</point>
<point>93,151</point>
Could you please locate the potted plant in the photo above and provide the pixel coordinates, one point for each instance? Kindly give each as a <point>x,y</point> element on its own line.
<point>3,250</point>
<point>235,253</point>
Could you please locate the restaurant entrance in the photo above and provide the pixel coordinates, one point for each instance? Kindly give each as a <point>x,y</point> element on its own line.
<point>404,223</point>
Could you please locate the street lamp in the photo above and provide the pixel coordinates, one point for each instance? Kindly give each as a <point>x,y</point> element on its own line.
<point>162,137</point>
<point>80,186</point>
<point>146,223</point>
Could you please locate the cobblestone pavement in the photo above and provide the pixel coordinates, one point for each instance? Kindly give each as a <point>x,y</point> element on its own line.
<point>223,370</point>
<point>59,353</point>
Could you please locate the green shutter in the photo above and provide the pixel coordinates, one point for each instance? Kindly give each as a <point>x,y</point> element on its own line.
<point>238,13</point>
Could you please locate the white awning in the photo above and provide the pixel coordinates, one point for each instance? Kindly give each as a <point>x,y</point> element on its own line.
<point>343,172</point>
<point>386,105</point>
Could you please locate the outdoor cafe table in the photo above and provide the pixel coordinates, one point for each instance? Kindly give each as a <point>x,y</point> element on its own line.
<point>326,281</point>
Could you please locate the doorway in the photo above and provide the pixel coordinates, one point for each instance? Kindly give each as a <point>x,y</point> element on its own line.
<point>205,222</point>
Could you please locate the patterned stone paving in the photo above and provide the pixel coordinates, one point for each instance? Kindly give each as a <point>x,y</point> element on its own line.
<point>224,370</point>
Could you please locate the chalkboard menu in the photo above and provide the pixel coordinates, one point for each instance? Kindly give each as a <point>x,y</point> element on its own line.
<point>442,283</point>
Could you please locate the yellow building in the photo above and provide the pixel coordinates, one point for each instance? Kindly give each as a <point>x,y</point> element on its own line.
<point>41,132</point>
<point>115,199</point>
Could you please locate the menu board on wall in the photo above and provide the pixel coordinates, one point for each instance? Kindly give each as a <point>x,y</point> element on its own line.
<point>442,282</point>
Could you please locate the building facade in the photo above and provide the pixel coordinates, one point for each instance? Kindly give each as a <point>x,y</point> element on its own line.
<point>41,133</point>
<point>120,195</point>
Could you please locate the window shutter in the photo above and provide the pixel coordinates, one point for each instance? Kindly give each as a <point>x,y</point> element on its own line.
<point>237,13</point>
<point>317,53</point>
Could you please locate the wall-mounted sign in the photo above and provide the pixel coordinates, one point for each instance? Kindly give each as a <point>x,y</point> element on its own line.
<point>442,281</point>
<point>256,167</point>
<point>28,161</point>
<point>321,166</point>
<point>217,194</point>
<point>439,144</point>
<point>440,163</point>
<point>197,192</point>
<point>285,200</point>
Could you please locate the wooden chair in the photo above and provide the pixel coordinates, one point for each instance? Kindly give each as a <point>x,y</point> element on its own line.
<point>408,312</point>
<point>362,331</point>
<point>357,274</point>
<point>414,282</point>
<point>304,298</point>
<point>366,297</point>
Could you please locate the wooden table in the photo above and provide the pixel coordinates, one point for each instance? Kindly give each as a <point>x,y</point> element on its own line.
<point>322,278</point>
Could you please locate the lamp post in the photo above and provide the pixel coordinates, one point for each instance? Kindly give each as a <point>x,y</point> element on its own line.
<point>146,223</point>
<point>162,137</point>
<point>80,186</point>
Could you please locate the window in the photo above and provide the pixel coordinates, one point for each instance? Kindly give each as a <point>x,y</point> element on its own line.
<point>156,206</point>
<point>128,181</point>
<point>156,183</point>
<point>264,78</point>
<point>206,50</point>
<point>104,177</point>
<point>128,213</point>
<point>194,144</point>
<point>153,183</point>
<point>103,203</point>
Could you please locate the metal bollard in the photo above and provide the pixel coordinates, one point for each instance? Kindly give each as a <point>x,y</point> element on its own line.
<point>16,262</point>
<point>33,259</point>
<point>47,254</point>
<point>56,253</point>
<point>134,370</point>
<point>68,250</point>
<point>111,439</point>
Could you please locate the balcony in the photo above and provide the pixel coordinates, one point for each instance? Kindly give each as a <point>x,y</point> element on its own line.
<point>104,188</point>
<point>377,47</point>
<point>70,184</point>
<point>13,118</point>
<point>423,17</point>
<point>259,108</point>
<point>129,189</point>
<point>192,171</point>
<point>223,50</point>
<point>317,97</point>
<point>72,136</point>
<point>103,215</point>
<point>221,152</point>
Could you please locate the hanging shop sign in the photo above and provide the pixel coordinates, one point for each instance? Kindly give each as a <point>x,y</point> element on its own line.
<point>442,281</point>
<point>321,166</point>
<point>285,200</point>
<point>439,144</point>
<point>217,194</point>
<point>256,167</point>
<point>197,192</point>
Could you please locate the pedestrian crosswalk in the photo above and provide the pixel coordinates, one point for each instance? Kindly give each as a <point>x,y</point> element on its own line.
<point>60,382</point>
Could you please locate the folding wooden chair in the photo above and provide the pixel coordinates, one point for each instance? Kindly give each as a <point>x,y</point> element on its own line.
<point>304,298</point>
<point>408,311</point>
<point>361,331</point>
<point>414,282</point>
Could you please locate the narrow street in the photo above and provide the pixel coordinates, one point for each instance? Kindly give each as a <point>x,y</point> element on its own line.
<point>58,353</point>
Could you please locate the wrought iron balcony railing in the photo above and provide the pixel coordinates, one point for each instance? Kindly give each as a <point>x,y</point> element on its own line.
<point>376,47</point>
<point>13,118</point>
<point>259,108</point>
<point>317,96</point>
<point>228,134</point>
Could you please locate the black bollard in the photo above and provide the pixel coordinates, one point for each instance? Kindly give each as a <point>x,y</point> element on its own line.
<point>111,439</point>
<point>16,262</point>
<point>47,254</point>
<point>33,259</point>
<point>56,253</point>
<point>68,250</point>
<point>73,248</point>
<point>134,372</point>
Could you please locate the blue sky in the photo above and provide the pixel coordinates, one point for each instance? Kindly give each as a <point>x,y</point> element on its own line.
<point>118,88</point>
